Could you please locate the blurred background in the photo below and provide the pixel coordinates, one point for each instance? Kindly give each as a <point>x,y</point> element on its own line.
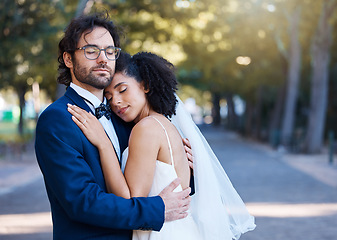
<point>264,68</point>
<point>258,76</point>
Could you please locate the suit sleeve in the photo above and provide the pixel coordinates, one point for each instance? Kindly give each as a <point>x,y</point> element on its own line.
<point>59,147</point>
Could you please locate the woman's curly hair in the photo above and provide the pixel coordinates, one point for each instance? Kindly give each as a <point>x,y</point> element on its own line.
<point>73,34</point>
<point>158,76</point>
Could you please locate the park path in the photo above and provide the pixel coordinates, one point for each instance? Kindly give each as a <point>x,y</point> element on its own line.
<point>292,197</point>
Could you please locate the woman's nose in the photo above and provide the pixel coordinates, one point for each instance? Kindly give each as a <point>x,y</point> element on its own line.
<point>116,101</point>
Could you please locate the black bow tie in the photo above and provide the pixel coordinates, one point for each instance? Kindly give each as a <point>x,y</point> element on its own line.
<point>103,110</point>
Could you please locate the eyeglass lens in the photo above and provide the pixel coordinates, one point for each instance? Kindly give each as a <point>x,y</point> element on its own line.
<point>93,52</point>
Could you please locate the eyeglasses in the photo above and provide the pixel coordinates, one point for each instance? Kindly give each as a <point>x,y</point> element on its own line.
<point>93,52</point>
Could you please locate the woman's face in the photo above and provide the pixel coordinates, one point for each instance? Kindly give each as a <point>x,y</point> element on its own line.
<point>127,98</point>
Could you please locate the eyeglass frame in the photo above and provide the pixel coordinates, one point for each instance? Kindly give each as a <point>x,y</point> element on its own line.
<point>100,50</point>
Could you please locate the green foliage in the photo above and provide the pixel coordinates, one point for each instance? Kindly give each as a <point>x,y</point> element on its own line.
<point>28,40</point>
<point>203,38</point>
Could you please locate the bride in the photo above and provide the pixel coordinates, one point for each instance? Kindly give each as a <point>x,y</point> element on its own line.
<point>143,92</point>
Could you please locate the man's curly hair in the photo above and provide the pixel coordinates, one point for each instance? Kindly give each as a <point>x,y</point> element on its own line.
<point>157,75</point>
<point>73,34</point>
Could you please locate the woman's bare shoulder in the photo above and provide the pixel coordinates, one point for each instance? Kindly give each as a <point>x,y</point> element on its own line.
<point>147,128</point>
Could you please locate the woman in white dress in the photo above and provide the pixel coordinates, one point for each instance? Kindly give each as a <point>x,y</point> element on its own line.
<point>143,91</point>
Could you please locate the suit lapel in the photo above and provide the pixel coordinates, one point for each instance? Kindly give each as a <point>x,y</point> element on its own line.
<point>122,129</point>
<point>77,100</point>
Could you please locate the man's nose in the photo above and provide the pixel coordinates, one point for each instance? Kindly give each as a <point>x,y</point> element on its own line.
<point>102,57</point>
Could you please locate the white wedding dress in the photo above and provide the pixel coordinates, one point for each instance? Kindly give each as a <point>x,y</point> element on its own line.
<point>217,212</point>
<point>184,229</point>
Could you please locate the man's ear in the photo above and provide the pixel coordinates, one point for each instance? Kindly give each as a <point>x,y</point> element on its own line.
<point>67,60</point>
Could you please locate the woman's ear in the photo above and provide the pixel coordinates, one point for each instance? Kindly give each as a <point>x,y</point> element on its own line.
<point>67,60</point>
<point>145,88</point>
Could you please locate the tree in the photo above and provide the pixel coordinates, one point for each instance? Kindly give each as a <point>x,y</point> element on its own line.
<point>320,54</point>
<point>204,38</point>
<point>293,76</point>
<point>26,44</point>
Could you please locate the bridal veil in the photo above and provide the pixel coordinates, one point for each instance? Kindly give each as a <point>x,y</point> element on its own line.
<point>216,206</point>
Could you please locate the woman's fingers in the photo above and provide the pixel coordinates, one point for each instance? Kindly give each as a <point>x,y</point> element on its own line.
<point>78,123</point>
<point>77,118</point>
<point>88,124</point>
<point>79,114</point>
<point>189,152</point>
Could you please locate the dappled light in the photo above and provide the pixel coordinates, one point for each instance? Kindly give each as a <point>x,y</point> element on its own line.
<point>22,68</point>
<point>269,7</point>
<point>183,4</point>
<point>286,210</point>
<point>16,224</point>
<point>243,60</point>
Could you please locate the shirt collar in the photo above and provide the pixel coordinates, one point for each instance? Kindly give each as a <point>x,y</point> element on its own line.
<point>88,96</point>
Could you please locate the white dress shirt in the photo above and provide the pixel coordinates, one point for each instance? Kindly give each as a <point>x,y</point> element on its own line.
<point>93,102</point>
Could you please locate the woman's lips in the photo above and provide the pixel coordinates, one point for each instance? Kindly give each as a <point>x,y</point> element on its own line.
<point>122,110</point>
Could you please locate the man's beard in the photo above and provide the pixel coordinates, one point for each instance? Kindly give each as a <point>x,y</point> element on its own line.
<point>98,82</point>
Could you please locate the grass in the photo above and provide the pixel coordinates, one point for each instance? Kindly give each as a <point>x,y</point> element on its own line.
<point>9,132</point>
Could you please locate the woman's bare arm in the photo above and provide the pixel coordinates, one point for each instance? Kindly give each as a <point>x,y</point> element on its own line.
<point>94,131</point>
<point>144,145</point>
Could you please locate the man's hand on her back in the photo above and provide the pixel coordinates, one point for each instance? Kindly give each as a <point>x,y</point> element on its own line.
<point>176,203</point>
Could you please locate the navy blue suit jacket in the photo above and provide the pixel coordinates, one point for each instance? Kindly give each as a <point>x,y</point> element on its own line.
<point>81,208</point>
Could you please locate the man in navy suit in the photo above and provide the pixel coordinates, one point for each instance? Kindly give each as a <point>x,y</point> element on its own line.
<point>81,208</point>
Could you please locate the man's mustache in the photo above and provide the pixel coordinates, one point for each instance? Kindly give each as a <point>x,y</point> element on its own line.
<point>102,66</point>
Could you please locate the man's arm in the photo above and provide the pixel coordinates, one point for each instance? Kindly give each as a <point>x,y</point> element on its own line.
<point>75,183</point>
<point>115,181</point>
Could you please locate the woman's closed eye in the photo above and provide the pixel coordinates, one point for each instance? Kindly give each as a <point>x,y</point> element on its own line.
<point>123,90</point>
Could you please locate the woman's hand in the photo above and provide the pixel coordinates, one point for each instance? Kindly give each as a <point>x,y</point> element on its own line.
<point>189,152</point>
<point>89,125</point>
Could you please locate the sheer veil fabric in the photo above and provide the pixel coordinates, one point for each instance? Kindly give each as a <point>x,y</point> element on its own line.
<point>216,206</point>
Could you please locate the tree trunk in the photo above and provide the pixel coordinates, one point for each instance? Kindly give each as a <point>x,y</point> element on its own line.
<point>21,92</point>
<point>81,8</point>
<point>320,55</point>
<point>274,131</point>
<point>258,112</point>
<point>275,122</point>
<point>232,117</point>
<point>249,117</point>
<point>36,99</point>
<point>216,109</point>
<point>293,77</point>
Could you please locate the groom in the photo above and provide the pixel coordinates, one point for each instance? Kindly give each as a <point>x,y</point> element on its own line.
<point>80,206</point>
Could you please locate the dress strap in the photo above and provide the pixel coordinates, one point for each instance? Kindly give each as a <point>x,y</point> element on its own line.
<point>168,140</point>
